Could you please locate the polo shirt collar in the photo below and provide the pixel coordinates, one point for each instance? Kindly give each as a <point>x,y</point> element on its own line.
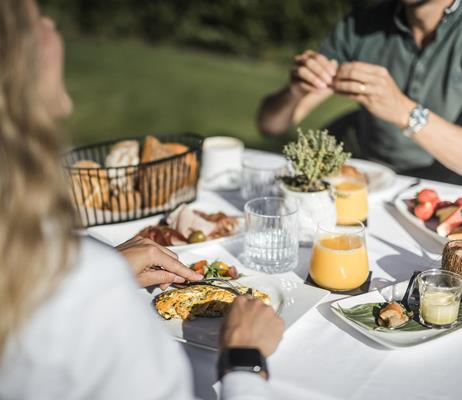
<point>401,24</point>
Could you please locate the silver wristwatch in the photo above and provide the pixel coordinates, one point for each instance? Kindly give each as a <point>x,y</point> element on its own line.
<point>418,118</point>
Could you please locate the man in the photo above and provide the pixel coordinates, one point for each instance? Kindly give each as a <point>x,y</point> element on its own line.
<point>401,60</point>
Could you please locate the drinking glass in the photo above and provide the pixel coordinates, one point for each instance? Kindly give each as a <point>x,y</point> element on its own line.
<point>440,293</point>
<point>260,174</point>
<point>350,201</point>
<point>271,239</point>
<point>339,258</point>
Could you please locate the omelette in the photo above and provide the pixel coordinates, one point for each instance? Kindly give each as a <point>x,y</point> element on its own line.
<point>200,301</point>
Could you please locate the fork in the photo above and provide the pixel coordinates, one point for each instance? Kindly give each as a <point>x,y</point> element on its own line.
<point>414,183</point>
<point>229,285</point>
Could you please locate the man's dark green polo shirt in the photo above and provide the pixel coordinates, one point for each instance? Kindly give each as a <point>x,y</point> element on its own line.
<point>431,76</point>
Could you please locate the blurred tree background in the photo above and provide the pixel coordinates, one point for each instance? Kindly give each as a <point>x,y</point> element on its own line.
<point>139,66</point>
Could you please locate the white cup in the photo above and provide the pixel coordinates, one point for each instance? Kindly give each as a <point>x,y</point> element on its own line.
<point>221,163</point>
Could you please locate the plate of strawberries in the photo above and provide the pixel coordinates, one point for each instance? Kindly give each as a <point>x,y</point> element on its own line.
<point>438,213</point>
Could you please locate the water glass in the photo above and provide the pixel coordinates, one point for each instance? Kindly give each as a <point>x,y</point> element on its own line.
<point>271,239</point>
<point>260,173</point>
<point>440,293</point>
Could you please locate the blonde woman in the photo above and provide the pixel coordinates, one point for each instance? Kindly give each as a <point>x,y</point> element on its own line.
<point>72,325</point>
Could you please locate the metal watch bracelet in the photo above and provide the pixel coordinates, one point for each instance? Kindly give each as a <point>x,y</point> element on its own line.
<point>418,118</point>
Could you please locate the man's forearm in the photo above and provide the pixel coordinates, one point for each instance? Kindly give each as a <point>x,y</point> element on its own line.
<point>276,112</point>
<point>281,110</point>
<point>443,140</point>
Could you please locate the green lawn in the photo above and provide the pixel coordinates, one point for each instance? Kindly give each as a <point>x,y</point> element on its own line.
<point>130,88</point>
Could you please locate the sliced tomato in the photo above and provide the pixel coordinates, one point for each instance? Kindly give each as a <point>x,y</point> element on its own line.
<point>199,266</point>
<point>426,195</point>
<point>459,202</point>
<point>424,211</point>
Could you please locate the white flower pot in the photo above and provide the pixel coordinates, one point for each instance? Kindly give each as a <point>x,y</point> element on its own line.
<point>313,207</point>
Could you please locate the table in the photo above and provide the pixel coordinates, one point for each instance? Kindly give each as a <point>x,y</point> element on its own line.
<point>321,357</point>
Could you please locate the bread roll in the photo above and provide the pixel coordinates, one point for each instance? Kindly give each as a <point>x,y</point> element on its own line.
<point>127,201</point>
<point>153,150</point>
<point>123,154</point>
<point>90,184</point>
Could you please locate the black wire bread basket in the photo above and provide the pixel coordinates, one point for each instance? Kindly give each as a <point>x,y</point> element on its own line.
<point>128,179</point>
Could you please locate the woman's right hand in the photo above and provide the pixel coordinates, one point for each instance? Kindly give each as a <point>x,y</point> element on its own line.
<point>143,254</point>
<point>252,323</point>
<point>312,72</point>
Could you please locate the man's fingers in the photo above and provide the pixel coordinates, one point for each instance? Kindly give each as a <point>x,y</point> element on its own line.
<point>164,286</point>
<point>304,74</point>
<point>373,69</point>
<point>321,65</point>
<point>355,87</point>
<point>352,74</point>
<point>304,85</point>
<point>176,267</point>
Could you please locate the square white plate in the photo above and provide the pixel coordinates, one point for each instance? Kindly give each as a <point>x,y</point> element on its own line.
<point>290,298</point>
<point>393,339</point>
<point>446,193</point>
<point>116,234</point>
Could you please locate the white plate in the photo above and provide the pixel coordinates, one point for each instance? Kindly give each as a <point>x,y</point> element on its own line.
<point>380,176</point>
<point>446,193</point>
<point>290,299</point>
<point>116,234</point>
<point>391,339</point>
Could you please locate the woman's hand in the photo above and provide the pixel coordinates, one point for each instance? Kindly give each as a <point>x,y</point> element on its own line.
<point>252,323</point>
<point>153,264</point>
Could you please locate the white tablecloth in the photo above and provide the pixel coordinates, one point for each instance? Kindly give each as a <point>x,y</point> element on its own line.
<point>320,357</point>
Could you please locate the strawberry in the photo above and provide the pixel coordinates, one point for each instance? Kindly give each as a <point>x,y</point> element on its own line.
<point>424,211</point>
<point>426,195</point>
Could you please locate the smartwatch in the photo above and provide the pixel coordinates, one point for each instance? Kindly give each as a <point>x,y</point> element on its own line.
<point>418,118</point>
<point>242,359</point>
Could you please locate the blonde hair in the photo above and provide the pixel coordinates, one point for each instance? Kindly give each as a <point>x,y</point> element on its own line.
<point>36,216</point>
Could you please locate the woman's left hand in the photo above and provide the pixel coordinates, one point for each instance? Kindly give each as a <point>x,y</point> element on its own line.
<point>154,264</point>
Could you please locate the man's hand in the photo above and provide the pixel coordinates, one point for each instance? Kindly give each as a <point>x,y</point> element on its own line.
<point>311,72</point>
<point>153,264</point>
<point>374,88</point>
<point>252,323</point>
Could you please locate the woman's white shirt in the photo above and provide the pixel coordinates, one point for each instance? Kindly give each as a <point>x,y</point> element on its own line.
<point>97,338</point>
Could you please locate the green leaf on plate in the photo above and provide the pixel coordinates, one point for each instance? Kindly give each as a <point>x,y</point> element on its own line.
<point>365,315</point>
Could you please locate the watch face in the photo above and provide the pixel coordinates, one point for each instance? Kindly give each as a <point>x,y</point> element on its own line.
<point>244,357</point>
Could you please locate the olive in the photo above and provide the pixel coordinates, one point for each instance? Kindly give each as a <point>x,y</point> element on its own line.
<point>197,237</point>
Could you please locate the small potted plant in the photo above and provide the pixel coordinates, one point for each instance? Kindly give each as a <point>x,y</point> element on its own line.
<point>313,158</point>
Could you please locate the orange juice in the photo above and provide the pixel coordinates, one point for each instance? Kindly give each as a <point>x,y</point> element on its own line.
<point>339,262</point>
<point>350,202</point>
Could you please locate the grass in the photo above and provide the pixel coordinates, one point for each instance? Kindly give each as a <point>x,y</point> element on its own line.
<point>129,88</point>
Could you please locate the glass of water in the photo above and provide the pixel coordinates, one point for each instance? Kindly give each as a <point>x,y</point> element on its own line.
<point>271,238</point>
<point>260,174</point>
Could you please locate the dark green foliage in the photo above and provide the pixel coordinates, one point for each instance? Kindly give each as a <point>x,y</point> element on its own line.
<point>247,27</point>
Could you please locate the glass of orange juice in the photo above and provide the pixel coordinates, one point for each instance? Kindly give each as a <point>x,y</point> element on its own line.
<point>339,259</point>
<point>350,201</point>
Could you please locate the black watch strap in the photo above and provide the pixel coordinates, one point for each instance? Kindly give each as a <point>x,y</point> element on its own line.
<point>242,359</point>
